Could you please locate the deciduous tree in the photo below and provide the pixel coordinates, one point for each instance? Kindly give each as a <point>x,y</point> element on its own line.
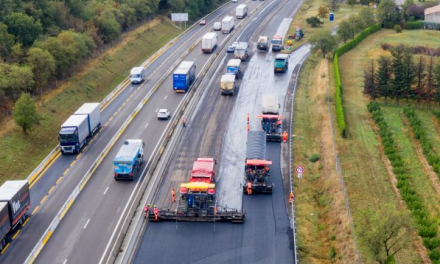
<point>24,27</point>
<point>351,3</point>
<point>345,31</point>
<point>314,21</point>
<point>25,113</point>
<point>367,16</point>
<point>334,6</point>
<point>323,12</point>
<point>384,232</point>
<point>323,42</point>
<point>43,67</point>
<point>6,41</point>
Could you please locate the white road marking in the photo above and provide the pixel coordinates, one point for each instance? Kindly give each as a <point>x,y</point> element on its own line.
<point>106,190</point>
<point>85,226</point>
<point>166,97</point>
<point>157,110</point>
<point>146,125</point>
<point>65,261</point>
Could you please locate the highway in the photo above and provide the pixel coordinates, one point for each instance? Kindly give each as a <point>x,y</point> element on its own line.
<point>57,182</point>
<point>218,129</point>
<point>83,234</point>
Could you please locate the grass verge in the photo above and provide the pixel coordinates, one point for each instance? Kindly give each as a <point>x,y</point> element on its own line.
<point>22,153</point>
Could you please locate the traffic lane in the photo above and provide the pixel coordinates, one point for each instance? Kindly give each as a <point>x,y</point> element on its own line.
<point>265,237</point>
<point>104,214</point>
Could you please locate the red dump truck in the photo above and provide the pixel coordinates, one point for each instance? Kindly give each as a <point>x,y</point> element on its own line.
<point>14,203</point>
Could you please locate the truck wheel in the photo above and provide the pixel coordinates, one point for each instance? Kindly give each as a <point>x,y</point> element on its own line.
<point>23,218</point>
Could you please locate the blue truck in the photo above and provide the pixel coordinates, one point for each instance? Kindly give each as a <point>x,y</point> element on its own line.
<point>234,67</point>
<point>129,159</point>
<point>78,127</point>
<point>184,76</point>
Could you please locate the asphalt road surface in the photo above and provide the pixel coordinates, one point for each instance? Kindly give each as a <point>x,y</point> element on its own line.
<point>83,235</point>
<point>219,130</point>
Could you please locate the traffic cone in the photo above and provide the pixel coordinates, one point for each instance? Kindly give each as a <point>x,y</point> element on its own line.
<point>291,198</point>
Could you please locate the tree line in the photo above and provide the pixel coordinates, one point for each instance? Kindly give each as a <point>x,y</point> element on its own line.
<point>403,76</point>
<point>45,40</point>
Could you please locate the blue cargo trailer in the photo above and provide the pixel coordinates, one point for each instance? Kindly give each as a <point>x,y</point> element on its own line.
<point>184,76</point>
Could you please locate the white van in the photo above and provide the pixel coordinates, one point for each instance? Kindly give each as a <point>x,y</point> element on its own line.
<point>137,75</point>
<point>217,26</point>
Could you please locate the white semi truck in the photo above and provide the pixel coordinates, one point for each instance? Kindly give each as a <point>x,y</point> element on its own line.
<point>209,42</point>
<point>228,24</point>
<point>78,127</point>
<point>241,11</point>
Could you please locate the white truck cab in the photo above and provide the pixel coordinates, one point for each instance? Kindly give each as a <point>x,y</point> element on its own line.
<point>137,75</point>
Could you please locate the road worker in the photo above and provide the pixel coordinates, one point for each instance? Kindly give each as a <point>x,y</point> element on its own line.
<point>173,195</point>
<point>249,188</point>
<point>146,210</point>
<point>291,198</point>
<point>285,136</point>
<point>183,121</point>
<point>156,213</point>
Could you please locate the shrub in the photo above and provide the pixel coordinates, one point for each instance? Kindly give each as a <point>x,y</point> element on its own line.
<point>314,158</point>
<point>431,243</point>
<point>397,28</point>
<point>434,254</point>
<point>413,25</point>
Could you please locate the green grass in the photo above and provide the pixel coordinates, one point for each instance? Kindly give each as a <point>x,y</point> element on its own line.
<point>427,119</point>
<point>21,154</point>
<point>421,183</point>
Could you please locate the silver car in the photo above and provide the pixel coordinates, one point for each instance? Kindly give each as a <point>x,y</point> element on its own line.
<point>163,114</point>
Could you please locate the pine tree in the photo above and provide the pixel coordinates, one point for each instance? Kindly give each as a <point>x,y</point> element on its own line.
<point>383,77</point>
<point>399,72</point>
<point>370,82</point>
<point>436,74</point>
<point>410,73</point>
<point>419,91</point>
<point>430,90</point>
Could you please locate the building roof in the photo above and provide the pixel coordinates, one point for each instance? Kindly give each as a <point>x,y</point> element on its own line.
<point>431,10</point>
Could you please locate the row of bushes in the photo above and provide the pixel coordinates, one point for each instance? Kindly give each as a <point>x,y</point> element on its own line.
<point>416,50</point>
<point>426,226</point>
<point>413,25</point>
<point>340,115</point>
<point>420,134</point>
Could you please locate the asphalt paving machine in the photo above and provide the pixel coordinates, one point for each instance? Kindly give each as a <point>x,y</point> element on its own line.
<point>257,172</point>
<point>197,200</point>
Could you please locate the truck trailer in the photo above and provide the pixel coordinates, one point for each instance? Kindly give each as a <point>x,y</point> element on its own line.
<point>128,161</point>
<point>257,172</point>
<point>227,84</point>
<point>271,121</point>
<point>234,67</point>
<point>209,42</point>
<point>14,203</point>
<point>241,11</point>
<point>197,201</point>
<point>241,51</point>
<point>78,127</point>
<point>137,75</point>
<point>277,43</point>
<point>228,24</point>
<point>184,76</point>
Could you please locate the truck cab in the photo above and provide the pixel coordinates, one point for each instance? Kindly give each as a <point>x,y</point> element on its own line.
<point>281,63</point>
<point>277,43</point>
<point>263,43</point>
<point>227,84</point>
<point>137,75</point>
<point>234,67</point>
<point>241,51</point>
<point>73,134</point>
<point>129,159</point>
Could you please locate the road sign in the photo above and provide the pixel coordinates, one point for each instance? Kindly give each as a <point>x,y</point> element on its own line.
<point>300,175</point>
<point>299,169</point>
<point>179,17</point>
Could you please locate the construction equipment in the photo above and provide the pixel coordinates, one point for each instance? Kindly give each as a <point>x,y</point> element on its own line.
<point>257,172</point>
<point>263,43</point>
<point>271,121</point>
<point>197,201</point>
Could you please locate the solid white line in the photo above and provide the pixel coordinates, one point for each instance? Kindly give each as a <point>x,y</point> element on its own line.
<point>65,261</point>
<point>106,190</point>
<point>165,97</point>
<point>146,125</point>
<point>86,223</point>
<point>157,110</point>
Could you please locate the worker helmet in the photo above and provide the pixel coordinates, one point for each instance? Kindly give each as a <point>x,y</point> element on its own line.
<point>149,205</point>
<point>155,206</point>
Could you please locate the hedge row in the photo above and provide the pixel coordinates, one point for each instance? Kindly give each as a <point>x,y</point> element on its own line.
<point>425,224</point>
<point>414,25</point>
<point>340,115</point>
<point>420,134</point>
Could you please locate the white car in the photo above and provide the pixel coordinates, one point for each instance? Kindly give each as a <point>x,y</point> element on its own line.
<point>163,114</point>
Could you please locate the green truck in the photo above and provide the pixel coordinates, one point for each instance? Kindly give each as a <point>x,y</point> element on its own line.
<point>281,63</point>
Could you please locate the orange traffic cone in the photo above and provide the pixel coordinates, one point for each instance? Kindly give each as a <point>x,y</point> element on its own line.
<point>291,198</point>
<point>173,195</point>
